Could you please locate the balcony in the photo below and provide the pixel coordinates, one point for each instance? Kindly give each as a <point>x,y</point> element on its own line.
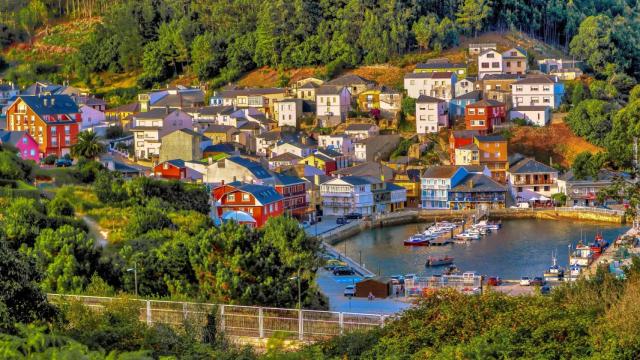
<point>534,182</point>
<point>337,204</point>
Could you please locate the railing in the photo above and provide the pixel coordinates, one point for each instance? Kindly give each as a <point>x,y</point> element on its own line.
<point>239,321</point>
<point>591,209</point>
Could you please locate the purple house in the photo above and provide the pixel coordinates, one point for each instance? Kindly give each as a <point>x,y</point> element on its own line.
<point>21,140</point>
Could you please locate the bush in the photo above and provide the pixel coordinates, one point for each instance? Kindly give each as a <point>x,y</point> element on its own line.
<point>409,106</point>
<point>114,132</point>
<point>49,160</point>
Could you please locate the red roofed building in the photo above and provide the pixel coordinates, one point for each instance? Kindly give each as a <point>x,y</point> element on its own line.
<point>52,120</point>
<point>260,201</point>
<point>483,115</point>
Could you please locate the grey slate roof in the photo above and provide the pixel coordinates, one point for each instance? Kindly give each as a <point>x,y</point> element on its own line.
<point>329,90</point>
<point>472,95</point>
<point>282,179</point>
<point>483,138</point>
<point>529,165</point>
<point>11,137</point>
<point>287,156</point>
<point>349,80</point>
<point>359,127</point>
<point>368,168</point>
<point>251,91</point>
<point>422,99</point>
<point>486,102</point>
<point>355,180</point>
<point>159,113</point>
<point>441,65</point>
<point>176,162</point>
<point>530,108</point>
<point>501,77</point>
<point>256,169</point>
<point>62,104</point>
<point>478,183</point>
<point>541,79</point>
<point>604,175</point>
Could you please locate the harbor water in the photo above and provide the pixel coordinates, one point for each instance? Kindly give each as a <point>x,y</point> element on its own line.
<point>519,248</point>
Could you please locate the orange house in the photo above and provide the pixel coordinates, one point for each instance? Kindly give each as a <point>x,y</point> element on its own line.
<point>52,120</point>
<point>494,154</point>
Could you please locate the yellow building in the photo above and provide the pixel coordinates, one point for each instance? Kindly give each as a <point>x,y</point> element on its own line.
<point>467,155</point>
<point>219,133</point>
<point>383,98</point>
<point>122,115</point>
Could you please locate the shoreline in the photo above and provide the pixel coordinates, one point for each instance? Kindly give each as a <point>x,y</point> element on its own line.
<point>418,216</point>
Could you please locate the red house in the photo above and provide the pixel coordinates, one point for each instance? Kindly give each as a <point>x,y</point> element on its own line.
<point>175,170</point>
<point>293,190</point>
<point>52,120</point>
<point>484,115</point>
<point>458,139</point>
<point>260,201</point>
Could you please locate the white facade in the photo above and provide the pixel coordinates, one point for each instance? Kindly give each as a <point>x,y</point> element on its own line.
<point>296,149</point>
<point>436,84</point>
<point>341,143</point>
<point>229,170</point>
<point>346,195</point>
<point>464,86</point>
<point>93,120</point>
<point>359,133</point>
<point>538,91</point>
<point>288,112</point>
<point>148,131</point>
<point>431,115</point>
<point>536,115</point>
<point>333,102</point>
<point>489,62</point>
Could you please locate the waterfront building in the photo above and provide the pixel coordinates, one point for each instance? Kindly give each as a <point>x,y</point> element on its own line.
<point>467,155</point>
<point>527,176</point>
<point>535,115</point>
<point>477,191</point>
<point>363,195</point>
<point>436,182</point>
<point>583,190</point>
<point>375,148</point>
<point>294,193</point>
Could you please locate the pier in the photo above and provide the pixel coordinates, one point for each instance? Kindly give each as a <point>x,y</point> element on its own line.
<point>607,256</point>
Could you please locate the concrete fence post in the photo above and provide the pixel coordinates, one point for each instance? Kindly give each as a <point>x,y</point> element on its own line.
<point>300,325</point>
<point>261,323</point>
<point>381,320</point>
<point>148,312</point>
<point>222,318</point>
<point>341,322</point>
<point>184,310</point>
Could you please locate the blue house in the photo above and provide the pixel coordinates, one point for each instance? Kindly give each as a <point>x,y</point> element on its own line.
<point>435,183</point>
<point>458,104</point>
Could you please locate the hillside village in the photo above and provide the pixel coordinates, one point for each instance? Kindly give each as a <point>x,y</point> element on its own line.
<point>338,147</point>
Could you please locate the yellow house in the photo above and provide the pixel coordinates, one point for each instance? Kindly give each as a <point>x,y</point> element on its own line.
<point>122,115</point>
<point>467,155</point>
<point>219,133</point>
<point>411,182</point>
<point>319,161</point>
<point>382,98</point>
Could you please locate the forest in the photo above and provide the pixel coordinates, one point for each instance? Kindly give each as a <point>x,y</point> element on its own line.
<point>217,41</point>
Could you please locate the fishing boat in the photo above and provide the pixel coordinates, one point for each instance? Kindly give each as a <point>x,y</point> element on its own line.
<point>554,272</point>
<point>599,244</point>
<point>440,261</point>
<point>574,272</point>
<point>417,240</point>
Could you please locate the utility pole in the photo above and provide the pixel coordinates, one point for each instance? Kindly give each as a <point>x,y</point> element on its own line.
<point>135,276</point>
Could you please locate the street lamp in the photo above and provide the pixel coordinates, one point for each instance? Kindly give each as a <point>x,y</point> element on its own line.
<point>299,291</point>
<point>135,276</point>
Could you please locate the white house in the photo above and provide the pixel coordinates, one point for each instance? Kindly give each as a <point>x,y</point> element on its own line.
<point>265,142</point>
<point>436,84</point>
<point>536,115</point>
<point>288,111</point>
<point>295,148</point>
<point>514,61</point>
<point>338,142</point>
<point>489,62</point>
<point>465,86</point>
<point>528,177</point>
<point>93,120</point>
<point>360,194</point>
<point>538,90</point>
<point>362,131</point>
<point>231,169</point>
<point>152,125</point>
<point>431,114</point>
<point>332,104</point>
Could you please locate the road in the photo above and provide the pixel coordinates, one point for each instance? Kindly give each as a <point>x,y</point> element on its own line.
<point>333,287</point>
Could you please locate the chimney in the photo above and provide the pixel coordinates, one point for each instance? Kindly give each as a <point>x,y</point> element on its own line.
<point>210,160</point>
<point>167,109</point>
<point>222,182</point>
<point>234,179</point>
<point>316,179</point>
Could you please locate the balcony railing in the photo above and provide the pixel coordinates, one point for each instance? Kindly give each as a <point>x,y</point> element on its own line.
<point>534,182</point>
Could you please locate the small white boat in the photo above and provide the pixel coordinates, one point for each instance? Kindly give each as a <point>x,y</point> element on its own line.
<point>554,272</point>
<point>468,236</point>
<point>417,240</point>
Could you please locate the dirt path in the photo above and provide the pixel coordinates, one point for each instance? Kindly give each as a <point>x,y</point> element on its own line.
<point>96,231</point>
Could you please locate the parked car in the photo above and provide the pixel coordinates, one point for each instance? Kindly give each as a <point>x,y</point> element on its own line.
<point>341,221</point>
<point>332,264</point>
<point>545,290</point>
<point>63,162</point>
<point>525,281</point>
<point>537,281</point>
<point>350,290</point>
<point>494,281</point>
<point>343,270</point>
<point>353,216</point>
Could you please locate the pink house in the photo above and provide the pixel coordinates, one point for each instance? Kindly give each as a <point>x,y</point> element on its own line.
<point>26,145</point>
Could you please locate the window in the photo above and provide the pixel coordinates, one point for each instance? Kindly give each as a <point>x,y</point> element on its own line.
<point>165,166</point>
<point>460,72</point>
<point>481,111</point>
<point>495,65</point>
<point>518,88</point>
<point>547,188</point>
<point>412,82</point>
<point>490,55</point>
<point>231,197</point>
<point>472,111</point>
<point>484,65</point>
<point>508,63</point>
<point>245,197</point>
<point>24,140</point>
<point>32,152</point>
<point>546,100</point>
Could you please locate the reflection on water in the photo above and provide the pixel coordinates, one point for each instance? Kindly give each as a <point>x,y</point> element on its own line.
<point>520,248</point>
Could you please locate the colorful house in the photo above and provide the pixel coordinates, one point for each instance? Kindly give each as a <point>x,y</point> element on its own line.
<point>494,155</point>
<point>458,139</point>
<point>436,182</point>
<point>477,191</point>
<point>484,115</point>
<point>383,98</point>
<point>458,104</point>
<point>294,193</point>
<point>260,201</point>
<point>21,140</point>
<point>52,120</point>
<point>176,169</point>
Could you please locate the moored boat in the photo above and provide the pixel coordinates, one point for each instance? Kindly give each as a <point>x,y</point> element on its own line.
<point>417,240</point>
<point>554,272</point>
<point>468,236</point>
<point>439,261</point>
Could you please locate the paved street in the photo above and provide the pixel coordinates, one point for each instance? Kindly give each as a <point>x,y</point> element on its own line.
<point>328,223</point>
<point>333,288</point>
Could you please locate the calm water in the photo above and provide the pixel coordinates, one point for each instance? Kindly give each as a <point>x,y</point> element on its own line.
<point>520,248</point>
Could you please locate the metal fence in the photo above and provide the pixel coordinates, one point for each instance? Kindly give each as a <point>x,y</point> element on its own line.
<point>239,321</point>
